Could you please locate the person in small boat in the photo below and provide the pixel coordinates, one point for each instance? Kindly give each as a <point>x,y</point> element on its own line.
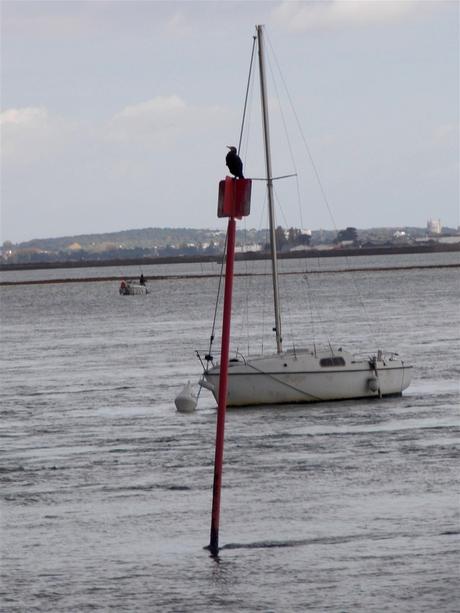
<point>142,279</point>
<point>234,163</point>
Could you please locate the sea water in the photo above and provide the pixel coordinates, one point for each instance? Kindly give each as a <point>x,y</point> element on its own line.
<point>106,490</point>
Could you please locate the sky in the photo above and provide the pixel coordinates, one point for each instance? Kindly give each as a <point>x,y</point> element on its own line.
<point>116,114</point>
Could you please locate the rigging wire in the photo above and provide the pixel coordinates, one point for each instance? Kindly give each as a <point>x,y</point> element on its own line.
<point>244,322</point>
<point>311,308</point>
<point>283,283</point>
<point>288,140</point>
<point>266,268</point>
<point>254,40</point>
<point>256,285</point>
<point>241,316</point>
<point>247,284</point>
<point>216,306</point>
<point>372,327</point>
<point>304,140</point>
<point>211,339</point>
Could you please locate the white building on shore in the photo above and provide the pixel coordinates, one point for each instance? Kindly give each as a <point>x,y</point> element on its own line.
<point>434,226</point>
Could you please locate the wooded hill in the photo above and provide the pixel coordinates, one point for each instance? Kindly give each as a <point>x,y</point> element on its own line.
<point>148,238</point>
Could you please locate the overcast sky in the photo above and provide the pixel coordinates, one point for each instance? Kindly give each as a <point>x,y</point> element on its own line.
<point>115,115</point>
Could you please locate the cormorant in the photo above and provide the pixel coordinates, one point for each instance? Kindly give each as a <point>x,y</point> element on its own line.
<point>234,163</point>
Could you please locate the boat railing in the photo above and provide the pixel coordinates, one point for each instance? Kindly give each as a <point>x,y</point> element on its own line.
<point>205,357</point>
<point>379,354</point>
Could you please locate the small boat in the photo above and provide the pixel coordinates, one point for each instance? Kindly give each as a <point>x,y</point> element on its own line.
<point>301,375</point>
<point>132,288</point>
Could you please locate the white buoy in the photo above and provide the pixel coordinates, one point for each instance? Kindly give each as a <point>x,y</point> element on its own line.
<point>373,384</point>
<point>186,400</point>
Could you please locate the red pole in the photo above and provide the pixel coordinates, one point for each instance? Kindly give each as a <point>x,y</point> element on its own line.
<point>223,385</point>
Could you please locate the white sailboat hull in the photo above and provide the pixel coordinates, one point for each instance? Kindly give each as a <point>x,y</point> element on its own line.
<point>302,377</point>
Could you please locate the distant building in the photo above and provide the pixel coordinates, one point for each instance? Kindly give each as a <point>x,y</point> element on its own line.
<point>400,236</point>
<point>248,248</point>
<point>434,226</point>
<point>449,240</point>
<point>74,247</point>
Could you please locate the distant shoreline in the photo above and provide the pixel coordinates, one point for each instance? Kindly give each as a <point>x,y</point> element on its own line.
<point>194,276</point>
<point>307,253</point>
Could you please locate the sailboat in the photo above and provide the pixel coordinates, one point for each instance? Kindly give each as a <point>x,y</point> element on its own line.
<point>301,375</point>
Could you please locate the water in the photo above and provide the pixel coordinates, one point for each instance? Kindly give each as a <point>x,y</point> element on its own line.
<point>213,268</point>
<point>106,489</point>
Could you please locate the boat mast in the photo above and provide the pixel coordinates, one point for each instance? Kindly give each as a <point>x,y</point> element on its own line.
<point>271,210</point>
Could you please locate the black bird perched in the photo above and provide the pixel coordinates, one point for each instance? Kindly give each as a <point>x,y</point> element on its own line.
<point>234,163</point>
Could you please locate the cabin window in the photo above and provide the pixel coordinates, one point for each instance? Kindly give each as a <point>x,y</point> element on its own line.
<point>332,362</point>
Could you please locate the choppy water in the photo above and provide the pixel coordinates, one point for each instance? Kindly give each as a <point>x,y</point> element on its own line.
<point>106,489</point>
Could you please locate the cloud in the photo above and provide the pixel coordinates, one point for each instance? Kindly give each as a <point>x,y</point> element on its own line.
<point>45,19</point>
<point>28,115</point>
<point>155,108</point>
<point>126,18</point>
<point>160,121</point>
<point>157,119</point>
<point>177,26</point>
<point>331,14</point>
<point>446,134</point>
<point>32,134</point>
